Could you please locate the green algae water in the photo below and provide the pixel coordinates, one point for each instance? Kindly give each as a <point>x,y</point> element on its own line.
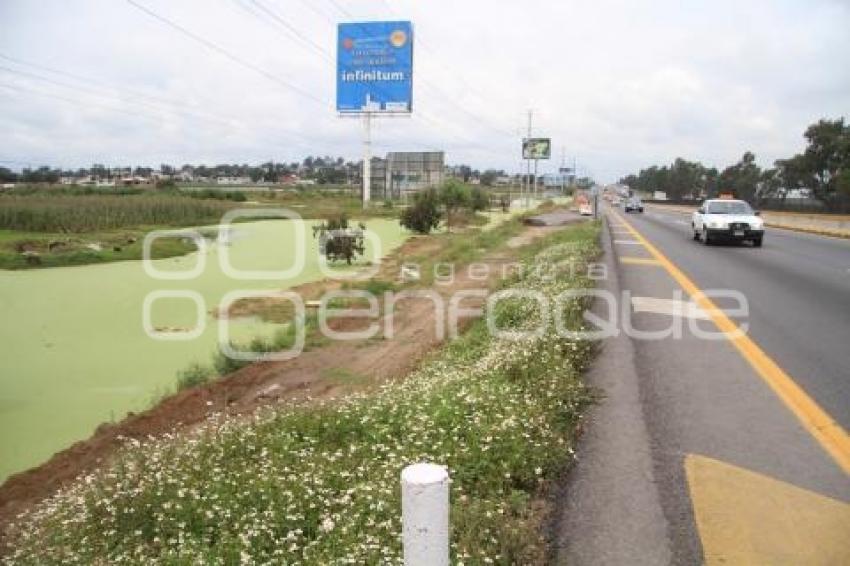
<point>74,350</point>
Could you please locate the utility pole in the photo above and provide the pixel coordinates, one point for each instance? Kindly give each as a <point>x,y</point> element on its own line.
<point>367,156</point>
<point>561,169</point>
<point>528,162</point>
<point>575,174</point>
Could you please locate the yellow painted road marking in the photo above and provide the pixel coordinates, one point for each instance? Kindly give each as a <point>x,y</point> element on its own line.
<point>638,260</point>
<point>748,518</point>
<point>814,419</point>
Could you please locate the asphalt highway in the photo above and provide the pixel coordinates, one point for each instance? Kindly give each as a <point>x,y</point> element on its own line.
<point>798,289</point>
<point>706,449</point>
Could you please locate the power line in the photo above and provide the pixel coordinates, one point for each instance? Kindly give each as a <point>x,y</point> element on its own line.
<point>342,10</point>
<point>292,30</point>
<point>80,102</point>
<point>296,139</point>
<point>92,80</point>
<point>327,55</point>
<point>95,92</point>
<point>436,89</point>
<point>314,8</point>
<point>222,51</point>
<point>427,47</point>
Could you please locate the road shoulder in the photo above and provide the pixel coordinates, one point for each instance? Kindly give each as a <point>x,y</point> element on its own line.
<point>607,509</point>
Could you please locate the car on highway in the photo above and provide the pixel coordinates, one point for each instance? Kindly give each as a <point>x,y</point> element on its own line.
<point>727,220</point>
<point>634,204</point>
<point>585,209</point>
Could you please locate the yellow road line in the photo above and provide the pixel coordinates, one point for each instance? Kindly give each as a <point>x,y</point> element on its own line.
<point>814,419</point>
<point>745,517</point>
<point>638,260</point>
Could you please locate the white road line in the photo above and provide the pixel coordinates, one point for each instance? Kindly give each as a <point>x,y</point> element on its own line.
<point>628,242</point>
<point>670,307</point>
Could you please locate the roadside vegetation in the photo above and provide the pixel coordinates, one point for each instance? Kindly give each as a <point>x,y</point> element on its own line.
<point>77,227</point>
<point>60,226</point>
<point>456,248</point>
<point>77,214</point>
<point>821,171</point>
<point>27,250</point>
<point>51,226</point>
<point>318,482</point>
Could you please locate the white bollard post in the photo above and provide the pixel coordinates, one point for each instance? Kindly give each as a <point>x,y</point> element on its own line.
<point>425,515</point>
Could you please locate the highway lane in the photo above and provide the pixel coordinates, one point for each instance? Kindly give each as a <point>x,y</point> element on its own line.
<point>691,456</point>
<point>798,289</point>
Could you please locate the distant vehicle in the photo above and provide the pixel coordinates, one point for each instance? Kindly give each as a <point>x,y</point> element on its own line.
<point>633,205</point>
<point>615,201</point>
<point>585,209</point>
<point>727,219</point>
<point>659,195</point>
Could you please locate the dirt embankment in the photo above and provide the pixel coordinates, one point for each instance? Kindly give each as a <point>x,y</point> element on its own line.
<point>328,370</point>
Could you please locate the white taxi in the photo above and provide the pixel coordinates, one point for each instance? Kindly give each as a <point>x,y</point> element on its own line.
<point>727,219</point>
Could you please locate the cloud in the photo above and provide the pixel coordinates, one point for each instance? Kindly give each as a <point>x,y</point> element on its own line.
<point>617,84</point>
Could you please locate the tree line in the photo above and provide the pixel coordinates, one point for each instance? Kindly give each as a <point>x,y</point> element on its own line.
<point>325,169</point>
<point>322,169</point>
<point>823,168</point>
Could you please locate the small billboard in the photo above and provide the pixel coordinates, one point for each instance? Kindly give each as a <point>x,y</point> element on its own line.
<point>536,148</point>
<point>374,67</point>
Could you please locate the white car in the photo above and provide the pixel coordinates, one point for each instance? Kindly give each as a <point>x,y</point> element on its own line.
<point>585,209</point>
<point>727,219</point>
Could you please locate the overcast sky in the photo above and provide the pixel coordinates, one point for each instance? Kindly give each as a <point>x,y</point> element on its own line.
<point>616,84</point>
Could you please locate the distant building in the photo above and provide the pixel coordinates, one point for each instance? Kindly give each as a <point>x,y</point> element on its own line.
<point>232,180</point>
<point>557,179</point>
<point>405,172</point>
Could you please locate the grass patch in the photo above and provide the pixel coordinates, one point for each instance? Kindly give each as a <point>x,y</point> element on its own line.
<point>463,248</point>
<point>66,214</point>
<point>343,376</point>
<point>33,250</point>
<point>61,226</point>
<point>283,339</point>
<point>194,375</point>
<point>320,483</point>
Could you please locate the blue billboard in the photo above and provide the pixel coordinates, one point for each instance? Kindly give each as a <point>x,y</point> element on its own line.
<point>374,67</point>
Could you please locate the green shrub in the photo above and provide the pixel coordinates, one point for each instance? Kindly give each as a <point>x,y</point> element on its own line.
<point>194,375</point>
<point>454,195</point>
<point>478,199</point>
<point>224,365</point>
<point>424,214</point>
<point>338,241</point>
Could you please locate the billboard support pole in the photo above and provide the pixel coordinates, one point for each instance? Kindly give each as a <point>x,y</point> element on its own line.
<point>528,164</point>
<point>535,179</point>
<point>367,157</point>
